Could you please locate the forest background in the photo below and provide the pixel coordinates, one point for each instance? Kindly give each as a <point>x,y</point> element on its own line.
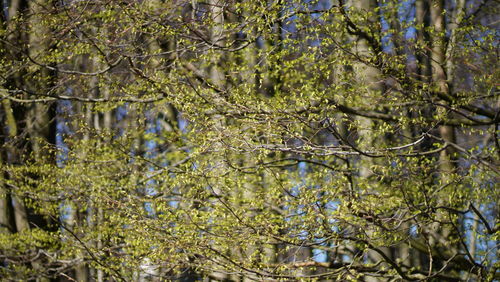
<point>245,140</point>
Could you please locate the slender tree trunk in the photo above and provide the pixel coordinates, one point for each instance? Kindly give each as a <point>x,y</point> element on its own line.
<point>440,81</point>
<point>6,212</point>
<point>216,11</point>
<point>371,77</point>
<point>439,77</point>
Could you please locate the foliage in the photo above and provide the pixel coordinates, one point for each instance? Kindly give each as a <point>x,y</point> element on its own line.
<point>268,140</point>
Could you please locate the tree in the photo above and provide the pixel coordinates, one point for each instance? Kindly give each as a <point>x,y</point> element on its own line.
<point>250,140</point>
